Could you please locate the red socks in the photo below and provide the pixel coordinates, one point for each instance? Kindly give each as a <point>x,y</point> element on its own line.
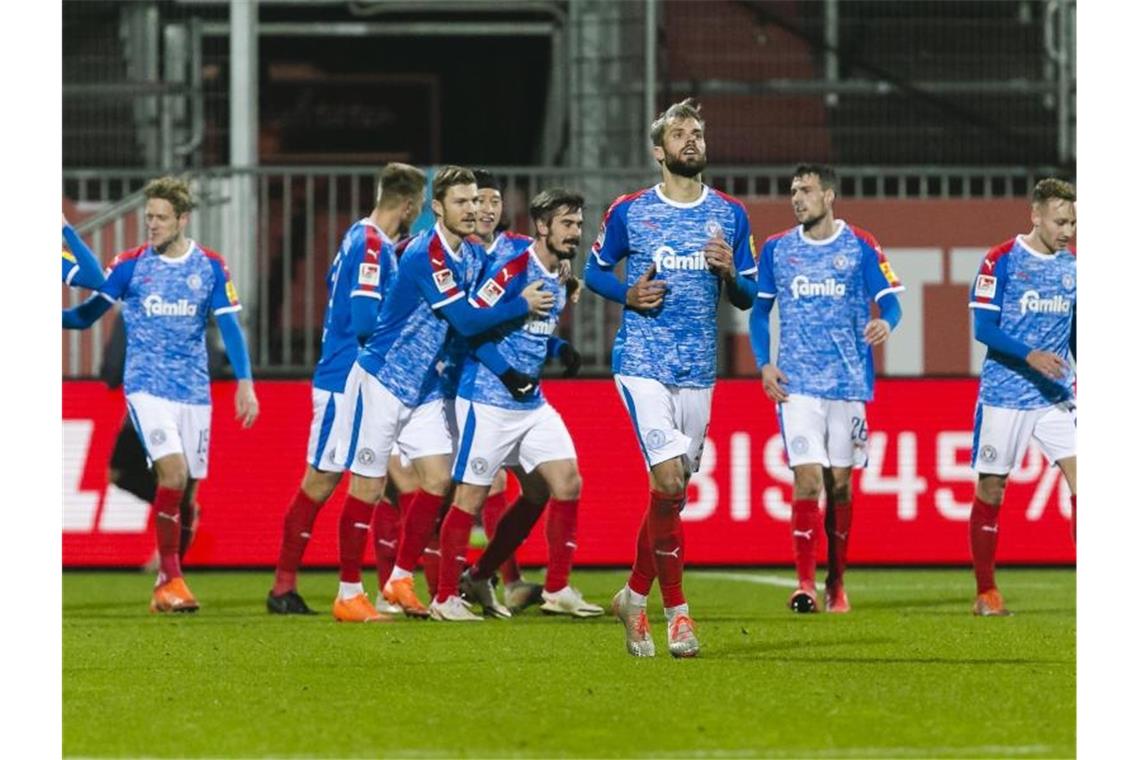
<point>644,571</point>
<point>983,543</point>
<point>166,525</point>
<point>385,536</point>
<point>454,536</point>
<point>493,510</point>
<point>837,524</point>
<point>805,534</point>
<point>419,523</point>
<point>353,531</point>
<point>561,541</point>
<point>667,538</point>
<point>299,520</point>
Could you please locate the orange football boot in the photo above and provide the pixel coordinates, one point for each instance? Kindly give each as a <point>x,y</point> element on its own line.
<point>990,604</point>
<point>357,609</point>
<point>173,596</point>
<point>403,593</point>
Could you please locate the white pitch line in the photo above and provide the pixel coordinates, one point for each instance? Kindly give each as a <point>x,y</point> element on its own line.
<point>862,585</point>
<point>762,580</point>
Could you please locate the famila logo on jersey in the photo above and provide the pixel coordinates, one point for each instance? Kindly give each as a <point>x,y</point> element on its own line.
<point>1031,301</point>
<point>155,306</point>
<point>539,326</point>
<point>802,287</point>
<point>667,258</point>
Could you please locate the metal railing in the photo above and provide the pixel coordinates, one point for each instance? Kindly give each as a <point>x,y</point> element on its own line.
<point>302,212</point>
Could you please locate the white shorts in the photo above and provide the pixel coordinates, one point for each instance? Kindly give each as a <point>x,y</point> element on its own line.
<point>168,427</point>
<point>669,421</point>
<point>1002,435</point>
<point>377,421</point>
<point>492,437</point>
<point>828,432</point>
<point>328,407</point>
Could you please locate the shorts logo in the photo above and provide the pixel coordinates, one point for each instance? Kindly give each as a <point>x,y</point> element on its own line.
<point>986,286</point>
<point>194,282</point>
<point>366,456</point>
<point>157,437</point>
<point>1067,282</point>
<point>713,228</point>
<point>444,280</point>
<point>479,465</point>
<point>799,445</point>
<point>369,274</point>
<point>840,262</point>
<point>655,439</point>
<point>989,453</point>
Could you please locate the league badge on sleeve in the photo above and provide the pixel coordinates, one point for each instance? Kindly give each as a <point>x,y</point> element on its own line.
<point>986,286</point>
<point>444,279</point>
<point>231,293</point>
<point>885,268</point>
<point>490,293</point>
<point>369,274</point>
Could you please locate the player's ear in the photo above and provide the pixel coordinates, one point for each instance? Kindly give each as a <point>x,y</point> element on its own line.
<point>658,153</point>
<point>436,207</point>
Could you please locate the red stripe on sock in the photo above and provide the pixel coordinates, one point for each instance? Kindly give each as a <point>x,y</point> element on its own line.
<point>299,519</point>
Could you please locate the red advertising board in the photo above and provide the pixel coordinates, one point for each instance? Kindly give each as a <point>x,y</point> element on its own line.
<point>911,503</point>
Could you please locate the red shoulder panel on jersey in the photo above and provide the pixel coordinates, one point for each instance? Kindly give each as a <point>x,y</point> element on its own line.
<point>441,273</point>
<point>867,238</point>
<point>492,290</point>
<point>624,199</point>
<point>127,255</point>
<point>730,199</point>
<point>516,235</point>
<point>372,244</point>
<point>989,263</point>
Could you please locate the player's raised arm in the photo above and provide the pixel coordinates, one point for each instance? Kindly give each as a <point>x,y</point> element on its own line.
<point>82,269</point>
<point>114,287</point>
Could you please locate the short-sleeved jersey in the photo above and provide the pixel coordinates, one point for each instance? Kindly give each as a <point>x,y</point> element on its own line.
<point>1035,296</point>
<point>364,267</point>
<point>408,351</point>
<point>824,289</point>
<point>166,304</point>
<point>522,342</point>
<point>675,344</point>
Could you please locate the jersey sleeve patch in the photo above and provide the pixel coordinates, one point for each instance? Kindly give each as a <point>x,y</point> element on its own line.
<point>369,273</point>
<point>493,289</point>
<point>985,287</point>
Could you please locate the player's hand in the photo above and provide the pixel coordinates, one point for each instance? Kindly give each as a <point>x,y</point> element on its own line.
<point>540,301</point>
<point>573,289</point>
<point>571,360</point>
<point>245,403</point>
<point>718,254</point>
<point>646,294</point>
<point>877,331</point>
<point>772,379</point>
<point>564,271</point>
<point>1047,363</point>
<point>521,386</point>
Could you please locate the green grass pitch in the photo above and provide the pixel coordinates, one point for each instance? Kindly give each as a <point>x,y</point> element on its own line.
<point>909,673</point>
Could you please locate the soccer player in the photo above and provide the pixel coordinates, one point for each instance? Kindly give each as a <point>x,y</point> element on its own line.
<point>358,280</point>
<point>824,273</point>
<point>80,267</point>
<point>528,436</point>
<point>396,394</point>
<point>168,288</point>
<point>1024,303</point>
<point>682,242</point>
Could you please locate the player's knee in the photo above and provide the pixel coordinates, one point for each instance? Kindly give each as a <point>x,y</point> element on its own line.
<point>808,483</point>
<point>568,487</point>
<point>436,483</point>
<point>991,489</point>
<point>369,490</point>
<point>319,485</point>
<point>499,484</point>
<point>840,492</point>
<point>173,475</point>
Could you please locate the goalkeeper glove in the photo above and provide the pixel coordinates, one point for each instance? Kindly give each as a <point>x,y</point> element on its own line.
<point>521,386</point>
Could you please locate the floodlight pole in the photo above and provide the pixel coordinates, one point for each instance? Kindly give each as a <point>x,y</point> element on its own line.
<point>242,204</point>
<point>650,77</point>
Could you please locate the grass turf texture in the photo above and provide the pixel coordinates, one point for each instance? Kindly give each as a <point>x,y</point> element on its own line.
<point>909,673</point>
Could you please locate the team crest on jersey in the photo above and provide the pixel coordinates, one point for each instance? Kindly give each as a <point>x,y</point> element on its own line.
<point>713,228</point>
<point>369,274</point>
<point>479,465</point>
<point>986,286</point>
<point>194,281</point>
<point>840,262</point>
<point>1067,282</point>
<point>444,279</point>
<point>988,453</point>
<point>490,293</point>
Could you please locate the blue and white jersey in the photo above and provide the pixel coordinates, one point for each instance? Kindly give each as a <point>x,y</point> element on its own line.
<point>676,343</point>
<point>522,342</point>
<point>505,244</point>
<point>408,352</point>
<point>166,304</point>
<point>824,289</point>
<point>364,267</point>
<point>1035,295</point>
